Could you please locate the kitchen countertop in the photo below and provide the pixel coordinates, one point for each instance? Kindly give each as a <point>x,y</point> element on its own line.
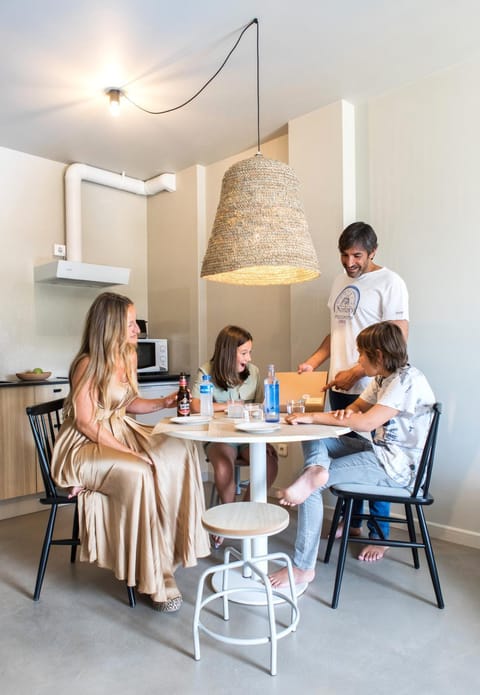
<point>158,377</point>
<point>35,382</point>
<point>147,378</point>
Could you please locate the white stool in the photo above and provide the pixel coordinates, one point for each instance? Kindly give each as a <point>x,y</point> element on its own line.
<point>245,521</point>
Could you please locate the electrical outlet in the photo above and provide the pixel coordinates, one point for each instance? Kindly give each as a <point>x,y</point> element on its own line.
<point>59,250</point>
<point>282,449</point>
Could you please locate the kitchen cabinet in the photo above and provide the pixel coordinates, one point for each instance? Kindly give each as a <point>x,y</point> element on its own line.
<point>19,473</point>
<point>157,390</point>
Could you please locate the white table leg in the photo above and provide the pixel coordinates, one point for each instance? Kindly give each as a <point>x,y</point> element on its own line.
<point>258,489</point>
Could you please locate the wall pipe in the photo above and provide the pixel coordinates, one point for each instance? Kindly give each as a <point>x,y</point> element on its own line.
<point>76,173</point>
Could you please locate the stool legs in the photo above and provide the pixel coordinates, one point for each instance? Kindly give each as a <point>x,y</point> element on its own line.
<point>273,635</point>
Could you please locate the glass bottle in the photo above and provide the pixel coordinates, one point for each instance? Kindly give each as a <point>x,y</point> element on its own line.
<point>183,397</point>
<point>272,396</point>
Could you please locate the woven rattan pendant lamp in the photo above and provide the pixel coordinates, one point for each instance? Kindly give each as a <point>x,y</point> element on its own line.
<point>260,233</point>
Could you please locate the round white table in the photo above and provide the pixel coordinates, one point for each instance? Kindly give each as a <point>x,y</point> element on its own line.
<point>222,429</point>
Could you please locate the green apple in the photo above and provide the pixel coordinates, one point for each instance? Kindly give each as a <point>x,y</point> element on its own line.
<point>37,370</point>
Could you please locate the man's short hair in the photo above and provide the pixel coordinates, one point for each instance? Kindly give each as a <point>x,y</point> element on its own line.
<point>358,234</point>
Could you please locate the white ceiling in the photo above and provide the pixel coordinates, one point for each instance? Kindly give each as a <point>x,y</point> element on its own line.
<point>58,56</point>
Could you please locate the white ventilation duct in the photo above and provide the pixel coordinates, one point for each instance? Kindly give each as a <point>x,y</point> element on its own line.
<point>73,270</point>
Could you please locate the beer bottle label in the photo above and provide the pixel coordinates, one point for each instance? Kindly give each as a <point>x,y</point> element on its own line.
<point>183,406</point>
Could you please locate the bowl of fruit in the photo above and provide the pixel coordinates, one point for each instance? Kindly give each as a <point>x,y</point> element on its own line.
<point>36,374</point>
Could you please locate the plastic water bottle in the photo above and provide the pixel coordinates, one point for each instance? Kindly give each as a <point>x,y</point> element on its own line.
<point>272,396</point>
<point>206,396</point>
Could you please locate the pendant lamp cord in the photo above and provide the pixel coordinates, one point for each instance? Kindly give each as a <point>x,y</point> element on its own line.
<point>180,106</point>
<point>258,86</point>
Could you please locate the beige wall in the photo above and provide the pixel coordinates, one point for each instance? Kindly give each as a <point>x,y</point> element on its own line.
<point>190,311</point>
<point>174,221</point>
<point>264,311</point>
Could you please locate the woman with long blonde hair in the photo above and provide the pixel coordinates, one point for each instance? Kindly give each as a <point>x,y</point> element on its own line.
<point>140,496</point>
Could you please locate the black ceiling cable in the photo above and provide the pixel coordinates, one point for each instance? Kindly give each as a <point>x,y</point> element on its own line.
<point>175,108</point>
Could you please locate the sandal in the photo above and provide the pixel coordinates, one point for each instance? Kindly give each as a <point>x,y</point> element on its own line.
<point>169,606</point>
<point>217,542</point>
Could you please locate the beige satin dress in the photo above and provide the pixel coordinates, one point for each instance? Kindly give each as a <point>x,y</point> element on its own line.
<point>139,521</point>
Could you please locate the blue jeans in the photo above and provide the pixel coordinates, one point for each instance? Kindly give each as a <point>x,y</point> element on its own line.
<point>348,460</point>
<point>340,401</point>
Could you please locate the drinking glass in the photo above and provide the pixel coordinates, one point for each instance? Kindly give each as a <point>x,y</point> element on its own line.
<point>235,409</point>
<point>296,406</point>
<point>254,412</point>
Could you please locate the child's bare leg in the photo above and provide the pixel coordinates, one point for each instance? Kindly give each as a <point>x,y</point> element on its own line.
<point>280,579</point>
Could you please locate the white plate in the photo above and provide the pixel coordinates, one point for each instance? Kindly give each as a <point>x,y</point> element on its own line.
<point>191,420</point>
<point>257,427</point>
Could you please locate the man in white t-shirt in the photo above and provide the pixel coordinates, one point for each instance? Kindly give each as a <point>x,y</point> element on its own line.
<point>364,294</point>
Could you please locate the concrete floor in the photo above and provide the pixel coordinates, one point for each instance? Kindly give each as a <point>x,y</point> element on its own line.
<point>386,636</point>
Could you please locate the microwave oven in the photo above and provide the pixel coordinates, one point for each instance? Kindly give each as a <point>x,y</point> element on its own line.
<point>152,354</point>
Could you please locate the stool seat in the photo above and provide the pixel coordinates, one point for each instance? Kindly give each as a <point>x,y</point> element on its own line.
<point>245,519</point>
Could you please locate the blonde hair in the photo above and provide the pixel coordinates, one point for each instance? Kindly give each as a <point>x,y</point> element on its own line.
<point>104,343</point>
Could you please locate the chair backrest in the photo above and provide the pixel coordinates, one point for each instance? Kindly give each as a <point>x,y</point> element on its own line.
<point>45,420</point>
<point>424,472</point>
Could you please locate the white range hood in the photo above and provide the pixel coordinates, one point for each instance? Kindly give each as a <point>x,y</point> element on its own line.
<point>73,271</point>
<point>77,273</point>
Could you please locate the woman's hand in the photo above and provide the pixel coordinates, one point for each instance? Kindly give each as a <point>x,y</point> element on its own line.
<point>170,400</point>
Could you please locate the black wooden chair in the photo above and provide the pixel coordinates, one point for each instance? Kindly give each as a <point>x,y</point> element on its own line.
<point>417,499</point>
<point>45,420</point>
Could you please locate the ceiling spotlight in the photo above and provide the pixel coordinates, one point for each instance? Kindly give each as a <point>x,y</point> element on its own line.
<point>114,95</point>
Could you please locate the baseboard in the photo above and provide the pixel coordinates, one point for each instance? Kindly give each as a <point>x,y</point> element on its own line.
<point>19,506</point>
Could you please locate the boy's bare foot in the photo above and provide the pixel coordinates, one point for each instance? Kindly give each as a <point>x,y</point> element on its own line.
<point>311,479</point>
<point>354,531</point>
<point>373,553</point>
<point>279,579</point>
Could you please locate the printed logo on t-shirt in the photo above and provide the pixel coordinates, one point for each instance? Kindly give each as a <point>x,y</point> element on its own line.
<point>346,303</point>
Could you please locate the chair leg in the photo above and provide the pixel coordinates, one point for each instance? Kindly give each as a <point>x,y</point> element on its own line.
<point>131,596</point>
<point>75,537</point>
<point>47,542</point>
<point>430,557</point>
<point>214,497</point>
<point>238,488</point>
<point>342,553</point>
<point>333,529</point>
<point>412,535</point>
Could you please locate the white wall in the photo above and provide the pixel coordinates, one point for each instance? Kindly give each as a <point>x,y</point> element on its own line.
<point>424,154</point>
<point>40,325</point>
